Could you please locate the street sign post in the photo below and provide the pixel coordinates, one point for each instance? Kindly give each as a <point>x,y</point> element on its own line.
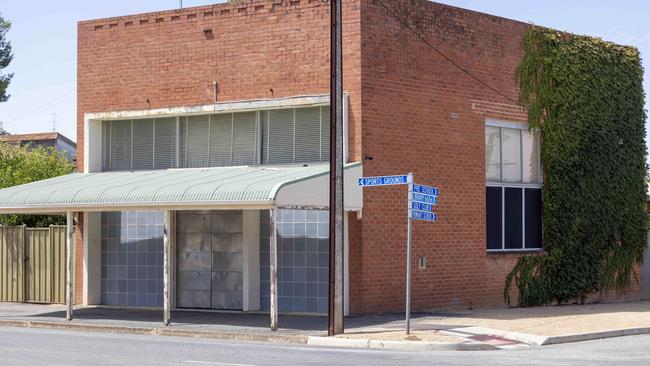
<point>421,200</point>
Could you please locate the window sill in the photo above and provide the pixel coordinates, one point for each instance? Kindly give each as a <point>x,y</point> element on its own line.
<point>515,251</point>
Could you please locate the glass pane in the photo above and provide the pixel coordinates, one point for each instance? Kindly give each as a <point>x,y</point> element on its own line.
<point>120,145</point>
<point>308,135</point>
<point>511,150</point>
<point>492,154</point>
<point>245,138</point>
<point>533,218</point>
<point>493,217</point>
<point>165,149</point>
<point>513,218</point>
<point>143,144</point>
<point>221,126</point>
<point>280,143</point>
<point>531,155</point>
<point>196,141</point>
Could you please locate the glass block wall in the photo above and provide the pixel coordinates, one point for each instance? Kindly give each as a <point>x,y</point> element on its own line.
<point>132,258</point>
<point>303,260</point>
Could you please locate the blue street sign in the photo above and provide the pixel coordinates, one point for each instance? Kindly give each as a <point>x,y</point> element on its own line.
<point>383,181</point>
<point>424,216</point>
<point>421,206</point>
<point>424,198</point>
<point>419,188</point>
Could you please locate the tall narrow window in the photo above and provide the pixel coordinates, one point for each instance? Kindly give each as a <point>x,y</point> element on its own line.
<point>514,186</point>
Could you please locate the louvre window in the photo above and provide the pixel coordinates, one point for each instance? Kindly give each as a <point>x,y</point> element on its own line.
<point>298,135</point>
<point>279,136</point>
<point>141,144</point>
<point>513,192</point>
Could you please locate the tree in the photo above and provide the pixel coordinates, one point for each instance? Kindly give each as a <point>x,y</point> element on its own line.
<point>20,166</point>
<point>5,58</point>
<point>3,132</point>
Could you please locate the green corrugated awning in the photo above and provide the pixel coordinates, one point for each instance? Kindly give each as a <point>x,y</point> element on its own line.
<point>219,188</point>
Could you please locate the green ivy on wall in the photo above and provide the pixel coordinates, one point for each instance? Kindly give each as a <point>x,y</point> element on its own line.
<point>586,98</point>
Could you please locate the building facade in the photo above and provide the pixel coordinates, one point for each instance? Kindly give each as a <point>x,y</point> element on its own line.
<point>53,140</point>
<point>213,101</point>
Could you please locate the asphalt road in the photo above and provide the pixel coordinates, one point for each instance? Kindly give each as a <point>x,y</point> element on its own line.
<point>51,347</point>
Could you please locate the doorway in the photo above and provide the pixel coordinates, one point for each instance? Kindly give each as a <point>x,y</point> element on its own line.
<point>210,260</point>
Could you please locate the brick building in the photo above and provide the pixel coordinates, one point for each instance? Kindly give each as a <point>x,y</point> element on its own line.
<point>242,90</point>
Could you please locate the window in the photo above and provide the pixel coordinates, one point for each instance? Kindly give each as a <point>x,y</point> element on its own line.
<point>277,136</point>
<point>142,144</point>
<point>298,135</point>
<point>514,187</point>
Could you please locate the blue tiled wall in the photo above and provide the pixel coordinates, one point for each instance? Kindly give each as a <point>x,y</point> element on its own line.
<point>303,260</point>
<point>132,258</point>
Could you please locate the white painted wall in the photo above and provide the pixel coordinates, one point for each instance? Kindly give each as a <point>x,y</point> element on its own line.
<point>92,145</point>
<point>92,255</point>
<point>251,259</point>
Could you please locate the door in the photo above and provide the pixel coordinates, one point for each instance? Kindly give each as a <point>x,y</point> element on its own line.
<point>210,262</point>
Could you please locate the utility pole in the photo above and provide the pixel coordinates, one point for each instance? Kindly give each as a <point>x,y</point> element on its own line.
<point>335,308</point>
<point>53,122</point>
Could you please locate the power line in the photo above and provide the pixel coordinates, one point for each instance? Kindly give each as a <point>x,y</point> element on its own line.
<point>421,37</point>
<point>40,107</point>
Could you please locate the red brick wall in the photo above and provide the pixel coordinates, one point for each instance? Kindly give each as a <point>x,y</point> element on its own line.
<point>423,115</point>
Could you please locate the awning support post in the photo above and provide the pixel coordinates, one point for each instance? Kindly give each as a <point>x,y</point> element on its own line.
<point>166,271</point>
<point>68,266</point>
<point>274,270</point>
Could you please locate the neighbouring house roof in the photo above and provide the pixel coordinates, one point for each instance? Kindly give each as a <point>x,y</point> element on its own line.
<point>208,188</point>
<point>37,137</point>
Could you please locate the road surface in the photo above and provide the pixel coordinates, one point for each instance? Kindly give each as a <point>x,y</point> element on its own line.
<point>20,346</point>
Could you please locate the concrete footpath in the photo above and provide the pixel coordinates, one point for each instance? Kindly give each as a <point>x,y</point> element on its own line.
<point>484,329</point>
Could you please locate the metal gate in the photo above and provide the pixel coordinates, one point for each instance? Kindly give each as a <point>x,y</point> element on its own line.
<point>32,264</point>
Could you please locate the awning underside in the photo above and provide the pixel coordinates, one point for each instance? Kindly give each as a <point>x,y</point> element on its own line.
<point>219,188</point>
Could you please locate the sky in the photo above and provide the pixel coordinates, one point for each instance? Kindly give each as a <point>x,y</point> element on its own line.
<point>43,37</point>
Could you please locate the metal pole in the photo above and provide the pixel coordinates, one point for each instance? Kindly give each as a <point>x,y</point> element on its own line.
<point>335,308</point>
<point>166,272</point>
<point>68,265</point>
<point>408,255</point>
<point>274,270</point>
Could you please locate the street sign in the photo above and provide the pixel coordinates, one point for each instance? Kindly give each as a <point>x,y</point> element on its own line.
<point>423,216</point>
<point>388,180</point>
<point>421,200</point>
<point>419,188</point>
<point>424,198</point>
<point>421,206</point>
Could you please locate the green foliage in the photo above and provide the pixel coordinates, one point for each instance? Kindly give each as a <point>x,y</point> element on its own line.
<point>586,97</point>
<point>5,58</point>
<point>20,166</point>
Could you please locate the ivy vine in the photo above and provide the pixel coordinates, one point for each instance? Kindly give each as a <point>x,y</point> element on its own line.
<point>586,98</point>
